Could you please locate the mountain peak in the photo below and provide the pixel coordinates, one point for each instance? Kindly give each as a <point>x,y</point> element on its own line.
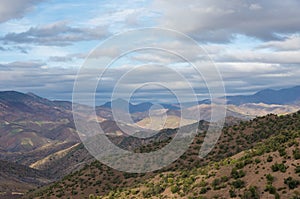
<point>119,100</point>
<point>13,96</point>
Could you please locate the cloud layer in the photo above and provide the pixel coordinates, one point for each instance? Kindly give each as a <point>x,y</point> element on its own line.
<point>57,34</point>
<point>220,20</point>
<point>255,44</point>
<point>16,9</point>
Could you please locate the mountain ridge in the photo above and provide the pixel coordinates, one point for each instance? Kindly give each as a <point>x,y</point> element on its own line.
<point>283,96</point>
<point>268,96</point>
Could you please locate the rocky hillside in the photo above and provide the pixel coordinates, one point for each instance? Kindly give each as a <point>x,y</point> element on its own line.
<point>253,159</point>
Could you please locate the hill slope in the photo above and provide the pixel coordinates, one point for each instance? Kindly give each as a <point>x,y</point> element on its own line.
<point>15,178</point>
<point>227,170</point>
<point>263,172</point>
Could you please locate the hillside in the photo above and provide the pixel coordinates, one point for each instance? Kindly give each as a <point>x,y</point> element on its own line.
<point>269,170</point>
<point>29,122</point>
<point>31,128</point>
<point>16,179</point>
<point>243,151</point>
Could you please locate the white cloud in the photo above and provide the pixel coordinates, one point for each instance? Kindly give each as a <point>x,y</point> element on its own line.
<point>11,9</point>
<point>56,34</point>
<point>219,20</point>
<point>290,43</point>
<point>255,6</point>
<point>251,56</point>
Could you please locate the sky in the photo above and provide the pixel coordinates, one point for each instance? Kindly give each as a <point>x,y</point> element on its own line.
<point>253,44</point>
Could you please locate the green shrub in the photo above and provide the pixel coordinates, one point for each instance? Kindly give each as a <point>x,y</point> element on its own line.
<point>279,167</point>
<point>257,160</point>
<point>271,189</point>
<point>232,193</point>
<point>292,184</point>
<point>170,180</point>
<point>224,179</point>
<point>238,184</point>
<point>203,183</point>
<point>237,174</point>
<point>174,189</point>
<point>203,190</point>
<point>282,152</point>
<point>270,178</point>
<point>296,154</point>
<point>251,193</point>
<point>240,165</point>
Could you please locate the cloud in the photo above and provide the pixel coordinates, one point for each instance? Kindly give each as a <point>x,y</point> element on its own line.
<point>110,52</point>
<point>271,61</point>
<point>243,77</point>
<point>57,82</point>
<point>289,43</point>
<point>221,20</point>
<point>12,9</point>
<point>67,58</point>
<point>14,49</point>
<point>250,56</point>
<point>37,77</point>
<point>25,64</point>
<point>56,34</point>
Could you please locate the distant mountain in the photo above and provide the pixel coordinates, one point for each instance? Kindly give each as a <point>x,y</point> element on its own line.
<point>122,104</point>
<point>287,96</point>
<point>268,96</point>
<point>117,104</point>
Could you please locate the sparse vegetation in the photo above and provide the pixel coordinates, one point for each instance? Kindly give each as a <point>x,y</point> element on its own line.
<point>249,168</point>
<point>279,167</point>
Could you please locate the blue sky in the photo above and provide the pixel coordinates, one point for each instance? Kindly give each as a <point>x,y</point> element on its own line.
<point>255,44</point>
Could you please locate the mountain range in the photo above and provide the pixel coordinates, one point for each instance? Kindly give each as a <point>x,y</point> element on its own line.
<point>40,145</point>
<point>269,96</point>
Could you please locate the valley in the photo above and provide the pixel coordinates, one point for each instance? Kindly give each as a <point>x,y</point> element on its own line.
<point>40,145</point>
